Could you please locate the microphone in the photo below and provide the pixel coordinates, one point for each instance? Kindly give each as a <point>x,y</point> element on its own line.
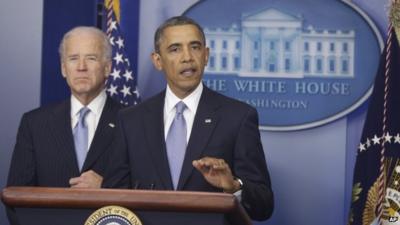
<point>137,185</point>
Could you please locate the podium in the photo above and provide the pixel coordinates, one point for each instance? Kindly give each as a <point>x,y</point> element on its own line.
<point>68,206</point>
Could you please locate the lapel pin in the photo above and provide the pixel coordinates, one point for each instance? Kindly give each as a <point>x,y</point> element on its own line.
<point>207,120</point>
<point>111,125</point>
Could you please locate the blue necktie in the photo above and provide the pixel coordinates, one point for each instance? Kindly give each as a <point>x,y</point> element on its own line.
<point>81,137</point>
<point>176,143</point>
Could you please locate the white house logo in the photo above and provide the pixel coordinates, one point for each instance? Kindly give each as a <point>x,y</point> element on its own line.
<point>300,63</point>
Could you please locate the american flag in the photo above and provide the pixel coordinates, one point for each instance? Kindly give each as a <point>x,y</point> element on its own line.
<point>121,84</point>
<point>376,183</point>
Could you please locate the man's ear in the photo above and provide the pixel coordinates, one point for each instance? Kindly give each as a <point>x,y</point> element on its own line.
<point>107,68</point>
<point>207,55</point>
<point>63,72</point>
<point>156,59</point>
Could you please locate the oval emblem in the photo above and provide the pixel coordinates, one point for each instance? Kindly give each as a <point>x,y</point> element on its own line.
<point>113,215</point>
<point>301,64</point>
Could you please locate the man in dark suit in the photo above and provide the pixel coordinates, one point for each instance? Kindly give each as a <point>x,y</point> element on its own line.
<point>46,151</point>
<point>222,150</point>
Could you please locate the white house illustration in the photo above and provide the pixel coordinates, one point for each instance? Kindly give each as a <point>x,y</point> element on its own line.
<point>271,43</point>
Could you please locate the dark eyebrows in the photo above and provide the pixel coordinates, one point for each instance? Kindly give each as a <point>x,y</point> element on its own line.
<point>175,45</point>
<point>196,43</point>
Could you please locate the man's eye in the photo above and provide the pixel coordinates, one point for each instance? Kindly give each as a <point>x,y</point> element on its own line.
<point>196,47</point>
<point>92,58</point>
<point>174,49</point>
<point>72,59</point>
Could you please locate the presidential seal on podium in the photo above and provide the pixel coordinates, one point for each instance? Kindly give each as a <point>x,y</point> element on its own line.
<point>113,215</point>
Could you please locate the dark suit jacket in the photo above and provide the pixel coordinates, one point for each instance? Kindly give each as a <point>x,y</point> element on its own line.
<point>222,128</point>
<point>44,153</point>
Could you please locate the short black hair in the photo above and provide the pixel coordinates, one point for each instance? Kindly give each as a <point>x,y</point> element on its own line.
<point>175,21</point>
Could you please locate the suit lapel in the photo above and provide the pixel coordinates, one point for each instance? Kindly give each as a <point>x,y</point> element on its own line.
<point>204,123</point>
<point>154,130</point>
<point>60,124</point>
<point>103,134</point>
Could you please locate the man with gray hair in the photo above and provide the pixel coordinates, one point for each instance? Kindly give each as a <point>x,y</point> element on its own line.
<point>61,144</point>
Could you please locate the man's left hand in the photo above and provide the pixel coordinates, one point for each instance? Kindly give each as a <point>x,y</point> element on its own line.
<point>88,179</point>
<point>217,173</point>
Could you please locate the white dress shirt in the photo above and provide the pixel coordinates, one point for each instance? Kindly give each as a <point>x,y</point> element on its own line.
<point>93,117</point>
<point>191,101</point>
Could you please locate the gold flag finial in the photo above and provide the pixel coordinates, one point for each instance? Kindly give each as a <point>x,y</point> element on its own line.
<point>394,17</point>
<point>115,4</point>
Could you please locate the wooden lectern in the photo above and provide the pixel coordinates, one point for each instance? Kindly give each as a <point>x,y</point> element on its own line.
<point>59,206</point>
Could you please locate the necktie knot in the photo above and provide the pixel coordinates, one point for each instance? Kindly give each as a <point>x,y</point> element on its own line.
<point>180,107</point>
<point>82,114</point>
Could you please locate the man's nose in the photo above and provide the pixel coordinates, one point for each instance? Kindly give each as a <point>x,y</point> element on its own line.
<point>82,64</point>
<point>187,55</point>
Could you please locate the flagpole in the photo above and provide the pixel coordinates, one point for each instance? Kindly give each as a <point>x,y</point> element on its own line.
<point>382,174</point>
<point>100,15</point>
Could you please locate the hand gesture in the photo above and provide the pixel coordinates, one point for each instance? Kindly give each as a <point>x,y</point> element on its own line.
<point>217,173</point>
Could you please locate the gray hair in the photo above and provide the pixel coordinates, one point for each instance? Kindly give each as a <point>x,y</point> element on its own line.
<point>106,46</point>
<point>175,21</point>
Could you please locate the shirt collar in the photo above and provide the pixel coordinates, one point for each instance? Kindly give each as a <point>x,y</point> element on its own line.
<point>191,101</point>
<point>95,106</point>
